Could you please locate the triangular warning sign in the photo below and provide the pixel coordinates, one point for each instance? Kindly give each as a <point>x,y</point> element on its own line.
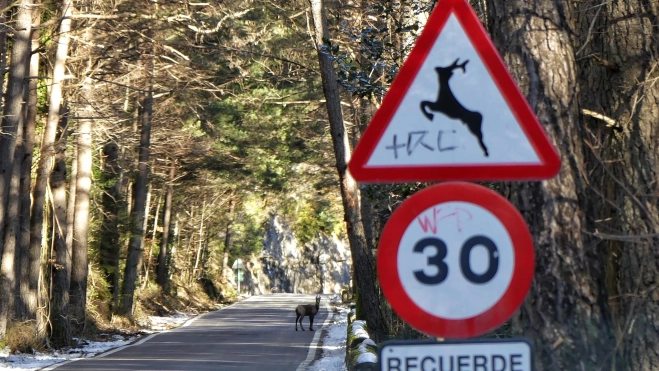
<point>453,112</point>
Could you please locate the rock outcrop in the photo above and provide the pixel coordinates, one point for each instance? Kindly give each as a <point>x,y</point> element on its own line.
<point>284,265</point>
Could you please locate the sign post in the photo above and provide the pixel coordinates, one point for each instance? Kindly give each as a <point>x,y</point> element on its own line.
<point>238,266</point>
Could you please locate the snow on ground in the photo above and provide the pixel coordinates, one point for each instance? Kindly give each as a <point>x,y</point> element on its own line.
<point>332,358</point>
<point>37,361</point>
<point>333,344</point>
<point>165,323</point>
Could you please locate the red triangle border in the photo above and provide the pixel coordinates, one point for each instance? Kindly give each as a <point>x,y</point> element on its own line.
<point>547,154</point>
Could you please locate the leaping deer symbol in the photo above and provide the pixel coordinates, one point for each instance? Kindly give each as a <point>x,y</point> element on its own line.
<point>447,104</point>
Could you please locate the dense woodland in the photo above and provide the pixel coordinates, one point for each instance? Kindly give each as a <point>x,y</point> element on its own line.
<point>145,143</point>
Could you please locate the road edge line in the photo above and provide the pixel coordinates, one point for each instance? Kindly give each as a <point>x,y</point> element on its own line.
<point>138,342</point>
<point>313,346</point>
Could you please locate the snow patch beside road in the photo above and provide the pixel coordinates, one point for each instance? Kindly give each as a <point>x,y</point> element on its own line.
<point>333,344</point>
<point>31,362</point>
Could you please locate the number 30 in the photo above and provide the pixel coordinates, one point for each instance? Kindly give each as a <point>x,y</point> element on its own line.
<point>437,260</point>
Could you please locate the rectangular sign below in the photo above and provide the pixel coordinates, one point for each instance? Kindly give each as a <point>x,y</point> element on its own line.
<point>470,355</point>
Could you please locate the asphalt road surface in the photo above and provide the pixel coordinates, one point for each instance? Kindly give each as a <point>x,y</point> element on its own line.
<point>257,334</point>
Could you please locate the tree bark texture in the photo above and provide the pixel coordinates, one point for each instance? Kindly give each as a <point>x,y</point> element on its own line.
<point>60,333</point>
<point>619,69</point>
<point>139,205</point>
<point>365,275</point>
<point>26,306</point>
<point>13,221</point>
<point>80,262</point>
<point>200,243</point>
<point>46,160</point>
<point>109,241</point>
<point>147,263</point>
<point>12,132</point>
<point>145,224</point>
<point>71,202</point>
<point>162,267</point>
<point>3,50</point>
<point>566,314</point>
<point>228,235</point>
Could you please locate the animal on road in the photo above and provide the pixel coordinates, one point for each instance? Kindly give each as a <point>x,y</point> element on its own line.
<point>305,310</point>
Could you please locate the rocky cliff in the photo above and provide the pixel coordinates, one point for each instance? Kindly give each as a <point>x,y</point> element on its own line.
<point>284,265</point>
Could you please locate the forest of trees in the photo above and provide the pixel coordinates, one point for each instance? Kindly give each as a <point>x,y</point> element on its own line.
<point>144,144</point>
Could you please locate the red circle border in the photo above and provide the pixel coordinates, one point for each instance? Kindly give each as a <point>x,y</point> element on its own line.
<point>512,298</point>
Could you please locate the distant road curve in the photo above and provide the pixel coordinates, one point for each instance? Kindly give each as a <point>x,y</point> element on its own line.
<point>257,334</point>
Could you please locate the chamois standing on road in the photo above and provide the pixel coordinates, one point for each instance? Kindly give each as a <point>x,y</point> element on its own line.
<point>307,310</point>
<point>447,104</point>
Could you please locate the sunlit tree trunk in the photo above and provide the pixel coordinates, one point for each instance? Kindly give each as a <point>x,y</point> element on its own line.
<point>145,224</point>
<point>45,164</point>
<point>227,236</point>
<point>139,207</point>
<point>365,275</point>
<point>71,200</point>
<point>26,291</point>
<point>80,262</point>
<point>60,333</point>
<point>12,132</point>
<point>109,240</point>
<point>200,242</point>
<point>162,268</point>
<point>3,50</point>
<point>147,262</point>
<point>566,315</point>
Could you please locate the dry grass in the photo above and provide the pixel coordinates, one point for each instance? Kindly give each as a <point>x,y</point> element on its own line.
<point>183,298</point>
<point>150,301</point>
<point>22,337</point>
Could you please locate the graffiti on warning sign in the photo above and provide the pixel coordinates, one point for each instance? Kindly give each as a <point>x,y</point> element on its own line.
<point>421,140</point>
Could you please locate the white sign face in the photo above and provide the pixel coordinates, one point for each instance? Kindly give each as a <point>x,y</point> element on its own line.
<point>238,264</point>
<point>506,355</point>
<point>422,133</point>
<point>455,260</point>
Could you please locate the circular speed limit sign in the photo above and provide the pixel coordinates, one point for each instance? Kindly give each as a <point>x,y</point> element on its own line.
<point>455,260</point>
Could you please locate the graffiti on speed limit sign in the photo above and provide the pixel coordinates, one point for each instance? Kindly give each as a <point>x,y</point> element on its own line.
<point>455,260</point>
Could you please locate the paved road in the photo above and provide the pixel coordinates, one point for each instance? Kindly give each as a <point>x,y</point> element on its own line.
<point>257,334</point>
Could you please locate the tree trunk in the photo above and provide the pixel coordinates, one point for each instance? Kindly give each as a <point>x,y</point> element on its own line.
<point>200,242</point>
<point>27,292</point>
<point>60,333</point>
<point>109,234</point>
<point>365,275</point>
<point>147,263</point>
<point>79,263</point>
<point>44,167</point>
<point>13,220</point>
<point>164,244</point>
<point>619,70</point>
<point>139,204</point>
<point>3,49</point>
<point>566,314</point>
<point>228,236</point>
<point>147,213</point>
<point>71,202</point>
<point>12,128</point>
